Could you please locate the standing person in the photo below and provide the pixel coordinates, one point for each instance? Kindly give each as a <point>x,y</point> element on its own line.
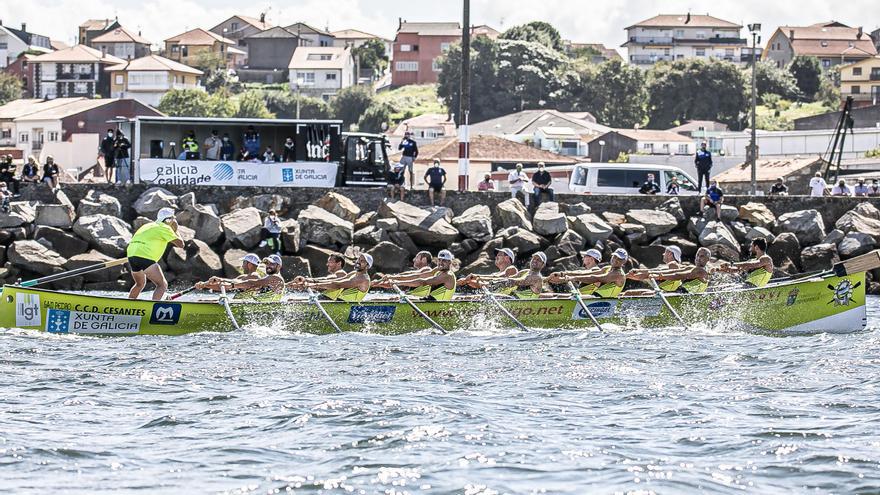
<point>7,173</point>
<point>841,189</point>
<point>673,187</point>
<point>227,149</point>
<point>650,186</point>
<point>779,188</point>
<point>251,141</point>
<point>122,147</point>
<point>108,152</point>
<point>874,190</point>
<point>861,189</point>
<point>703,161</point>
<point>145,250</point>
<point>51,172</point>
<point>487,184</point>
<point>287,152</point>
<point>272,228</point>
<point>212,146</point>
<point>714,198</point>
<point>396,180</point>
<point>436,179</point>
<point>410,152</point>
<point>31,171</point>
<point>190,146</point>
<point>542,183</point>
<point>818,186</point>
<point>517,180</point>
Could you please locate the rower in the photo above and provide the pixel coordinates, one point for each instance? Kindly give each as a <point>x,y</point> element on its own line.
<point>671,262</point>
<point>250,270</point>
<point>529,284</point>
<point>504,261</point>
<point>692,279</point>
<point>335,270</point>
<point>352,287</point>
<point>610,282</point>
<point>590,260</point>
<point>421,266</point>
<point>759,268</point>
<point>147,247</point>
<point>269,288</point>
<point>440,282</point>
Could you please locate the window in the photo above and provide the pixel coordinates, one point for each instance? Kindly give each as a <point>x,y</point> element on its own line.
<point>4,46</point>
<point>435,65</point>
<point>444,47</point>
<point>406,66</point>
<point>23,137</point>
<point>679,33</point>
<point>184,51</point>
<point>233,26</point>
<point>701,52</point>
<point>824,43</point>
<point>826,63</point>
<point>649,147</point>
<point>415,48</point>
<point>175,48</point>
<point>666,147</point>
<point>406,48</point>
<point>683,181</point>
<point>119,78</point>
<point>331,76</point>
<point>6,134</point>
<point>53,135</point>
<point>728,52</point>
<point>623,177</point>
<point>683,149</point>
<point>306,77</point>
<point>857,71</point>
<point>701,35</point>
<point>81,88</point>
<point>856,90</point>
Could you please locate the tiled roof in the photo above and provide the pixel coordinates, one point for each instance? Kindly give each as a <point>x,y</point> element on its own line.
<point>199,37</point>
<point>121,35</point>
<point>608,53</point>
<point>154,63</point>
<point>527,121</point>
<point>58,45</point>
<point>78,105</point>
<point>488,148</point>
<point>695,125</point>
<point>766,169</point>
<point>302,27</point>
<point>681,20</point>
<point>431,28</point>
<point>426,120</point>
<point>302,57</point>
<point>819,48</point>
<point>26,106</point>
<point>253,21</point>
<point>641,135</point>
<point>822,31</point>
<point>354,34</point>
<point>274,32</point>
<point>97,24</point>
<point>78,53</point>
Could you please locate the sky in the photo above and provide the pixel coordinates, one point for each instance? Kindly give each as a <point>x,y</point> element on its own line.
<point>586,21</point>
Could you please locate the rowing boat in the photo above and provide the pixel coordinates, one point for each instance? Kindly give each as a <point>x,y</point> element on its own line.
<point>832,303</point>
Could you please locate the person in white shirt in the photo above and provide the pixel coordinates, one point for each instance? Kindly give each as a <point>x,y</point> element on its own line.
<point>818,185</point>
<point>841,189</point>
<point>212,146</point>
<point>518,180</point>
<point>272,232</point>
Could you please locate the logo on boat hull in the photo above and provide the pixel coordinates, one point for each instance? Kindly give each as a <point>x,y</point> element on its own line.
<point>371,314</point>
<point>600,309</point>
<point>843,292</point>
<point>165,314</point>
<point>27,310</point>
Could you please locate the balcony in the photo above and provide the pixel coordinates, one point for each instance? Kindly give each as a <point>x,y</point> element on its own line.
<point>649,59</point>
<point>875,76</point>
<point>710,41</point>
<point>651,40</point>
<point>75,76</point>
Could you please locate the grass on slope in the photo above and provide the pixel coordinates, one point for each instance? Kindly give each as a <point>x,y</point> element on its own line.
<point>782,116</point>
<point>411,101</point>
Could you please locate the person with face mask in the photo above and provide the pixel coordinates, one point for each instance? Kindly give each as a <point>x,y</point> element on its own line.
<point>874,189</point>
<point>212,146</point>
<point>123,158</point>
<point>7,172</point>
<point>861,189</point>
<point>227,149</point>
<point>287,151</point>
<point>108,153</point>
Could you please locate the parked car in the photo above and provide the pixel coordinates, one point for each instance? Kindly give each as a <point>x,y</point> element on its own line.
<point>622,178</point>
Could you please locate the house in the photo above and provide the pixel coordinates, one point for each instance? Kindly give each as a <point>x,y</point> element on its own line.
<point>427,127</point>
<point>596,52</point>
<point>75,71</point>
<point>147,79</point>
<point>269,54</point>
<point>58,45</point>
<point>676,37</point>
<point>861,80</point>
<point>610,145</point>
<point>19,108</point>
<point>833,43</point>
<point>863,117</point>
<point>14,42</point>
<point>321,71</point>
<point>240,27</point>
<point>23,69</point>
<point>310,36</point>
<point>487,154</point>
<point>93,28</point>
<point>186,48</point>
<point>797,173</point>
<point>121,42</point>
<point>703,130</point>
<point>559,132</point>
<point>417,48</point>
<point>356,38</point>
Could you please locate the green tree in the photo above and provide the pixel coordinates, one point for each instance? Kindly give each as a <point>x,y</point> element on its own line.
<point>616,95</point>
<point>350,103</point>
<point>537,32</point>
<point>529,72</point>
<point>252,105</point>
<point>220,105</point>
<point>829,94</point>
<point>487,99</point>
<point>371,55</point>
<point>283,105</point>
<point>696,90</point>
<point>374,117</point>
<point>185,103</point>
<point>808,73</point>
<point>770,79</point>
<point>10,88</point>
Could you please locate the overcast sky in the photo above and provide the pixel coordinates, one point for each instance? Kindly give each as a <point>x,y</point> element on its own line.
<point>600,21</point>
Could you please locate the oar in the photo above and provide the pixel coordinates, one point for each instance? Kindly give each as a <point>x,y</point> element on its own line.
<point>225,302</point>
<point>313,298</point>
<point>580,299</point>
<point>504,310</point>
<point>666,302</point>
<point>416,308</point>
<point>181,293</point>
<point>73,273</point>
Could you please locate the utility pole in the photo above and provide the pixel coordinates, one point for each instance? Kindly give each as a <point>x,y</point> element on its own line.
<point>464,105</point>
<point>753,147</point>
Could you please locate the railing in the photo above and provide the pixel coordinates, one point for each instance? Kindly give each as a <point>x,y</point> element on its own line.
<point>36,146</point>
<point>74,76</point>
<point>875,76</point>
<point>651,40</point>
<point>649,59</point>
<point>716,41</point>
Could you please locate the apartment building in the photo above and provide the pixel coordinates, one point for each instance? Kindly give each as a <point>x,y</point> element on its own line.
<point>666,38</point>
<point>861,80</point>
<point>72,72</point>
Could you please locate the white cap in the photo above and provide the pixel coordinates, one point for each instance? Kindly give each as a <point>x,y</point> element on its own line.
<point>251,258</point>
<point>445,255</point>
<point>368,258</point>
<point>164,214</point>
<point>676,252</point>
<point>621,253</point>
<point>592,253</point>
<point>542,256</point>
<point>399,165</point>
<point>508,252</point>
<point>273,259</point>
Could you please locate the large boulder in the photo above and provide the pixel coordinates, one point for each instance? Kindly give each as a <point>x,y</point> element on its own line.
<point>853,221</point>
<point>673,207</point>
<point>785,246</point>
<point>321,227</point>
<point>757,214</point>
<point>724,252</point>
<point>386,224</point>
<point>575,209</point>
<point>61,216</point>
<point>819,257</point>
<point>834,237</point>
<point>855,244</point>
<point>20,213</point>
<point>756,232</point>
<point>404,241</point>
<point>867,210</point>
<point>266,202</point>
<point>806,224</point>
<point>370,236</point>
<point>633,233</point>
<point>570,243</point>
<point>475,223</point>
<point>740,230</point>
<point>34,257</point>
<point>340,206</point>
<point>196,261</point>
<point>613,218</point>
<point>231,261</point>
<point>317,258</point>
<point>389,258</point>
<point>512,213</point>
<point>368,218</point>
<point>522,241</point>
<point>242,227</point>
<point>592,228</point>
<point>91,258</point>
<point>291,236</point>
<point>187,200</point>
<point>484,264</point>
<point>63,243</point>
<point>154,199</point>
<point>564,264</point>
<point>203,220</point>
<point>656,222</point>
<point>294,266</point>
<point>717,233</point>
<point>425,228</point>
<point>548,220</point>
<point>109,235</point>
<point>688,248</point>
<point>96,203</point>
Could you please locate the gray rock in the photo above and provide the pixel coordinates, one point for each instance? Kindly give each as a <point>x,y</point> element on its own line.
<point>203,220</point>
<point>389,258</point>
<point>443,211</point>
<point>231,261</point>
<point>404,241</point>
<point>570,243</point>
<point>522,241</point>
<point>61,216</point>
<point>740,230</point>
<point>673,207</point>
<point>295,266</point>
<point>575,209</point>
<point>757,214</point>
<point>368,218</point>
<point>688,248</point>
<point>484,264</point>
<point>317,258</point>
<point>386,224</point>
<point>567,263</point>
<point>424,227</point>
<point>696,225</point>
<point>475,223</point>
<point>613,218</point>
<point>20,213</point>
<point>370,236</point>
<point>724,252</point>
<point>729,213</point>
<point>109,235</point>
<point>291,236</point>
<point>266,202</point>
<point>548,221</point>
<point>34,257</point>
<point>64,243</point>
<point>853,221</point>
<point>855,244</point>
<point>834,237</point>
<point>194,262</point>
<point>785,246</point>
<point>647,256</point>
<point>756,232</point>
<point>819,257</point>
<point>656,222</point>
<point>242,227</point>
<point>512,213</point>
<point>321,227</point>
<point>806,224</point>
<point>867,210</point>
<point>187,200</point>
<point>717,233</point>
<point>98,204</point>
<point>154,199</point>
<point>340,206</point>
<point>592,228</point>
<point>185,233</point>
<point>83,259</point>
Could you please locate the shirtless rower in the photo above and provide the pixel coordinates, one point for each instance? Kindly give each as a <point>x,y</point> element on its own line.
<point>350,288</point>
<point>605,284</point>
<point>504,261</point>
<point>692,279</point>
<point>250,270</point>
<point>440,282</point>
<point>759,268</point>
<point>264,289</point>
<point>335,264</point>
<point>421,266</point>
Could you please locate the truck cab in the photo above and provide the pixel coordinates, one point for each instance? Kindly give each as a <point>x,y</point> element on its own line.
<point>364,160</point>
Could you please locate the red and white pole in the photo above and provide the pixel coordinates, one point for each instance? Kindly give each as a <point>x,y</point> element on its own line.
<point>464,154</point>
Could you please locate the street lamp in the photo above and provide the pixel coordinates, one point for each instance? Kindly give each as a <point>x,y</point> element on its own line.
<point>753,146</point>
<point>299,82</point>
<point>601,150</point>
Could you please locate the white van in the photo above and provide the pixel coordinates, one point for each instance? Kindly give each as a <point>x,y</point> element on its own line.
<point>624,178</point>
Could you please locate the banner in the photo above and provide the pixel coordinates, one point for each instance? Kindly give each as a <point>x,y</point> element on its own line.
<point>162,171</point>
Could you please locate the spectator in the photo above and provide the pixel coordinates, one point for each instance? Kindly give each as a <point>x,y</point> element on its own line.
<point>213,146</point>
<point>487,184</point>
<point>272,232</point>
<point>714,198</point>
<point>517,180</point>
<point>50,172</point>
<point>542,183</point>
<point>673,187</point>
<point>818,187</point>
<point>779,188</point>
<point>396,180</point>
<point>245,156</point>
<point>703,161</point>
<point>874,190</point>
<point>287,153</point>
<point>436,178</point>
<point>410,152</point>
<point>5,196</point>
<point>7,173</point>
<point>122,147</point>
<point>190,146</point>
<point>227,149</point>
<point>268,155</point>
<point>31,171</point>
<point>841,189</point>
<point>251,141</point>
<point>650,186</point>
<point>861,189</point>
<point>108,152</point>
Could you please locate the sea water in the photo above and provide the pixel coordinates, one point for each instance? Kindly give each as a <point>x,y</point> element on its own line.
<point>483,411</point>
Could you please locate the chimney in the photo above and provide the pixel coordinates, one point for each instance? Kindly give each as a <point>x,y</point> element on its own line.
<point>24,27</point>
<point>861,32</point>
<point>791,34</point>
<point>262,18</point>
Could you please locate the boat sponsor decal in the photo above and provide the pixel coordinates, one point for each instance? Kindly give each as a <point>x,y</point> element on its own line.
<point>64,321</point>
<point>371,314</point>
<point>600,309</point>
<point>165,314</point>
<point>27,310</point>
<point>641,307</point>
<point>792,297</point>
<point>92,308</point>
<point>843,292</point>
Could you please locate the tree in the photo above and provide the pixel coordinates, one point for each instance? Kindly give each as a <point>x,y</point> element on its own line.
<point>529,72</point>
<point>185,103</point>
<point>283,105</point>
<point>537,32</point>
<point>252,105</point>
<point>696,90</point>
<point>829,94</point>
<point>808,73</point>
<point>375,118</point>
<point>616,94</point>
<point>220,105</point>
<point>770,79</point>
<point>371,55</point>
<point>350,103</point>
<point>10,88</point>
<point>486,99</point>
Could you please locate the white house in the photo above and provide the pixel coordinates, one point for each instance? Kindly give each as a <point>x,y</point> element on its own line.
<point>122,43</point>
<point>562,140</point>
<point>147,79</point>
<point>15,41</point>
<point>427,127</point>
<point>676,37</point>
<point>321,71</point>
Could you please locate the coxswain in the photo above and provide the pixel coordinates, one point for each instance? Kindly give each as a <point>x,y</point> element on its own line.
<point>146,248</point>
<point>504,261</point>
<point>759,268</point>
<point>422,264</point>
<point>250,270</point>
<point>692,279</point>
<point>335,270</point>
<point>671,262</point>
<point>590,260</point>
<point>352,287</point>
<point>440,282</point>
<point>609,283</point>
<point>269,288</point>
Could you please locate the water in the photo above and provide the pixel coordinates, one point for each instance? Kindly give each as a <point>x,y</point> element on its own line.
<point>263,411</point>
